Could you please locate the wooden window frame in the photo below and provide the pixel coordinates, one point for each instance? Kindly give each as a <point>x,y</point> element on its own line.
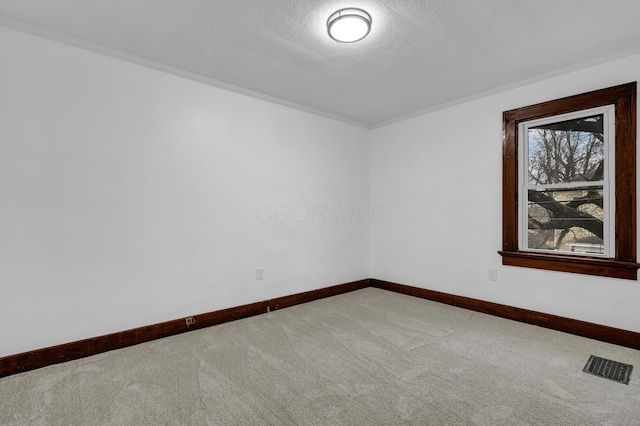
<point>623,263</point>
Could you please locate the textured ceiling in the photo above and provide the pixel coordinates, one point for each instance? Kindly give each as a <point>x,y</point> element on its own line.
<point>420,53</point>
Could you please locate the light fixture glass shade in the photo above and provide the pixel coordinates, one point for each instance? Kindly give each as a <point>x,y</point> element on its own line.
<point>349,25</point>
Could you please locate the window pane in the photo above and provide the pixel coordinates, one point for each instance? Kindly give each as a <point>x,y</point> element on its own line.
<point>567,221</point>
<point>567,151</point>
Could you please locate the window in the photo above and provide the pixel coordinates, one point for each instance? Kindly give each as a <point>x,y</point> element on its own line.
<point>569,184</point>
<point>566,196</point>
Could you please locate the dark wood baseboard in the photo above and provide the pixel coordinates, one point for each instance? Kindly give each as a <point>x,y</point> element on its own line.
<point>39,358</point>
<point>603,333</point>
<point>83,348</point>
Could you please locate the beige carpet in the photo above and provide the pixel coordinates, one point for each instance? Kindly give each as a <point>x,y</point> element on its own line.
<point>369,357</point>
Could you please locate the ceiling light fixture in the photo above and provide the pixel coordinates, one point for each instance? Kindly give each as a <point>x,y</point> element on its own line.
<point>349,25</point>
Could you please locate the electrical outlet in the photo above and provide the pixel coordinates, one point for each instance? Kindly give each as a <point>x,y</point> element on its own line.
<point>492,275</point>
<point>190,321</point>
<point>259,274</point>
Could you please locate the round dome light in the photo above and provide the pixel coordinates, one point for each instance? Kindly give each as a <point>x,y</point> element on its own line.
<point>349,25</point>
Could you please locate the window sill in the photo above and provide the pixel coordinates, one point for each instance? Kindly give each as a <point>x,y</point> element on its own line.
<point>569,263</point>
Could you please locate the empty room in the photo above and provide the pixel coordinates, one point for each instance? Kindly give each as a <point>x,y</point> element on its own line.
<point>279,212</point>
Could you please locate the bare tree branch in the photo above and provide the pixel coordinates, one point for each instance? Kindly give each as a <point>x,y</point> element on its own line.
<point>562,216</point>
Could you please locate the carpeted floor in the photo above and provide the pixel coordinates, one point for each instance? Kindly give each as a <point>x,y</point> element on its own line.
<point>370,357</point>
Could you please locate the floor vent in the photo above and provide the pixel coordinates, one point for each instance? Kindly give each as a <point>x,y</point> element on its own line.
<point>608,369</point>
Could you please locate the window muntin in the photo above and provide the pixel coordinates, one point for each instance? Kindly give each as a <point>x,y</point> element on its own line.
<point>566,200</point>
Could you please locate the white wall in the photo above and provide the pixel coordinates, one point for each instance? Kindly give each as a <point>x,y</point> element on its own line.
<point>130,196</point>
<point>439,178</point>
